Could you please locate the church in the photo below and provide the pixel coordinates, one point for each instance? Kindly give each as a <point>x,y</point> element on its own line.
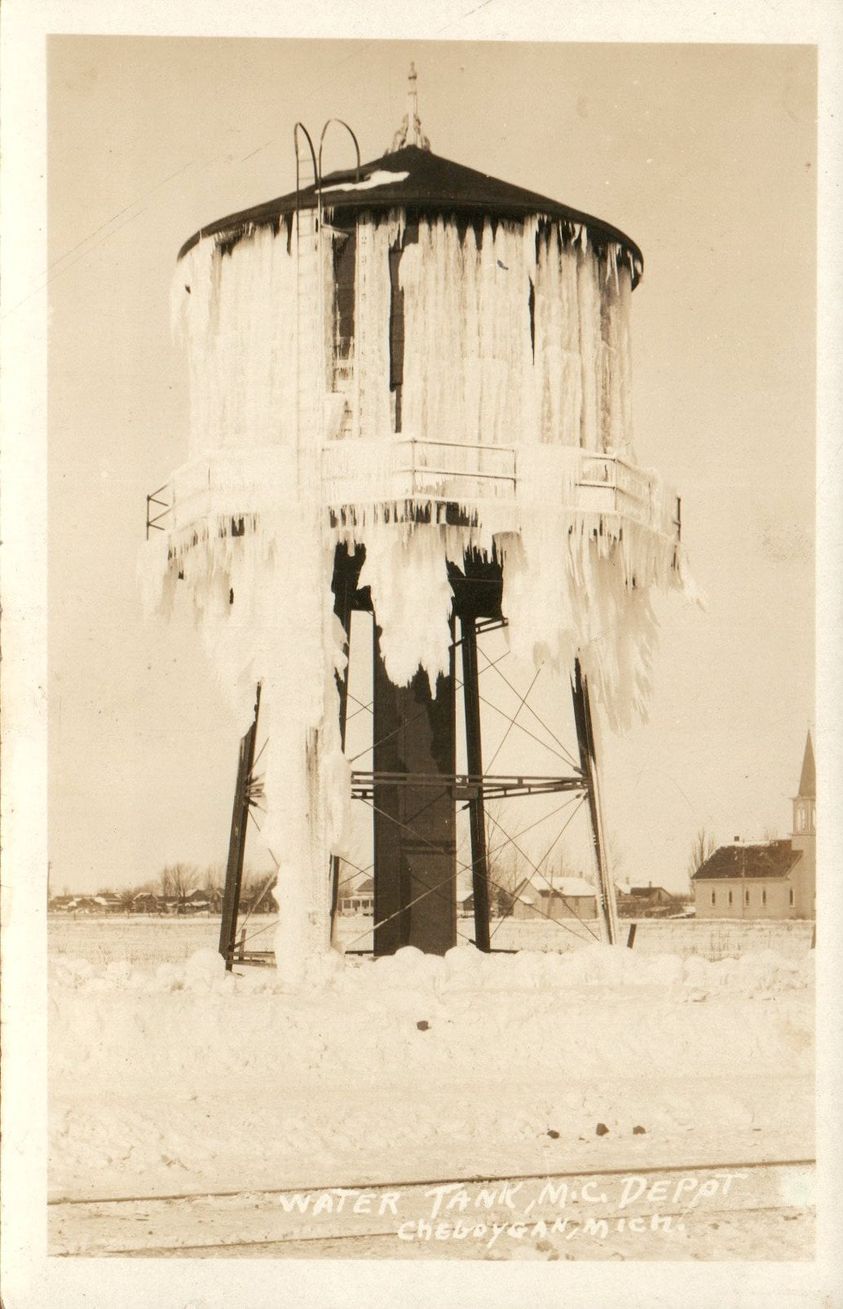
<point>774,880</point>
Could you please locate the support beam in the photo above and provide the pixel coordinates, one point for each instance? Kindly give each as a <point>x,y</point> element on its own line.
<point>342,692</point>
<point>347,566</point>
<point>588,763</point>
<point>474,764</point>
<point>237,840</point>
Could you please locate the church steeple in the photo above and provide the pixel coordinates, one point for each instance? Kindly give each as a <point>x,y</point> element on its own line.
<point>805,801</point>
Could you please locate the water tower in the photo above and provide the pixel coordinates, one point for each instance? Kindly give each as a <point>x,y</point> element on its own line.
<point>410,396</point>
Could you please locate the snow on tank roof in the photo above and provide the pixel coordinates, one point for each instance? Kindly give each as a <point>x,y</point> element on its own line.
<point>416,179</point>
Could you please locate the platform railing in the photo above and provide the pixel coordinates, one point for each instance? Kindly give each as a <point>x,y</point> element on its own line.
<point>239,481</point>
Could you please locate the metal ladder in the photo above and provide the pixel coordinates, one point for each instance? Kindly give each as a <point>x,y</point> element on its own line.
<point>310,314</point>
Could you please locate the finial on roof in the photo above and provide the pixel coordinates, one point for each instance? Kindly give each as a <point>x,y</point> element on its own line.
<point>410,132</point>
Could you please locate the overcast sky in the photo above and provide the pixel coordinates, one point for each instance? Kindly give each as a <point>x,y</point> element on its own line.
<point>704,155</point>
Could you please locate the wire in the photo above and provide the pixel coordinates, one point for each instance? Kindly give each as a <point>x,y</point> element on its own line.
<point>489,853</point>
<point>461,867</point>
<point>421,714</point>
<point>540,874</point>
<point>530,709</point>
<point>502,741</point>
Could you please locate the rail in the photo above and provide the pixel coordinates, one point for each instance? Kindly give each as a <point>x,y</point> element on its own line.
<point>155,521</point>
<point>544,1210</point>
<point>357,473</point>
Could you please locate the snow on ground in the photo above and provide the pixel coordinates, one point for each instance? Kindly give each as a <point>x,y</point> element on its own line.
<point>180,1078</point>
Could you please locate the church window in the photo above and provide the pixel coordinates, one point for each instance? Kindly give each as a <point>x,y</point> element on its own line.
<point>791,897</point>
<point>714,897</point>
<point>764,896</point>
<point>730,897</point>
<point>746,897</point>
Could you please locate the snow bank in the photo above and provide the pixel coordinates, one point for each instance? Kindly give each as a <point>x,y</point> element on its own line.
<point>187,1077</point>
<point>461,971</point>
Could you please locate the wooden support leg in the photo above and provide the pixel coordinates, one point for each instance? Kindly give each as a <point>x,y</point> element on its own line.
<point>342,608</point>
<point>588,764</point>
<point>237,840</point>
<point>474,764</point>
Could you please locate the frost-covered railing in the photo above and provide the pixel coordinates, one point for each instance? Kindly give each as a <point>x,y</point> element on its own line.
<point>359,474</point>
<point>358,477</point>
<point>388,472</point>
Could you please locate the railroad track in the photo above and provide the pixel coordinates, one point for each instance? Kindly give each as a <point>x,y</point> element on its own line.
<point>584,1213</point>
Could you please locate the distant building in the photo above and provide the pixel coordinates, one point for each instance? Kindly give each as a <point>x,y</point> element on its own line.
<point>645,901</point>
<point>63,904</point>
<point>146,902</point>
<point>776,879</point>
<point>568,897</point>
<point>559,897</point>
<point>105,903</point>
<point>197,902</point>
<point>359,899</point>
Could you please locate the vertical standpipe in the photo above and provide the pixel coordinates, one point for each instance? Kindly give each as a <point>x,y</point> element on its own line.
<point>414,822</point>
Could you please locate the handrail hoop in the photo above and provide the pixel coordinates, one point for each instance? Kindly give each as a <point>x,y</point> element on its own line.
<point>316,180</point>
<point>341,123</point>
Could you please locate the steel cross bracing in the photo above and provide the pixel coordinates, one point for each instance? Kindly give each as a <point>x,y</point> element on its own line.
<point>254,790</point>
<point>445,882</point>
<point>467,786</point>
<point>477,784</point>
<point>474,786</point>
<point>495,850</point>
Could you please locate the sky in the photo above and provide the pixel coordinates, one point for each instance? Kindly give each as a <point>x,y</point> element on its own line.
<point>704,155</point>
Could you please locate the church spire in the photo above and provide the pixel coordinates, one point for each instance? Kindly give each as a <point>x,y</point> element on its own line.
<point>805,800</point>
<point>808,779</point>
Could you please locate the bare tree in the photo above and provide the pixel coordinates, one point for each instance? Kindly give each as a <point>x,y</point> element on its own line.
<point>503,879</point>
<point>213,878</point>
<point>702,848</point>
<point>177,881</point>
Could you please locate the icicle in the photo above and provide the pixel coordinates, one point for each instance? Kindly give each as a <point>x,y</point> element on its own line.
<point>505,425</point>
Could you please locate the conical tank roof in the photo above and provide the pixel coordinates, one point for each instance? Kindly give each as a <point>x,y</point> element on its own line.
<point>415,179</point>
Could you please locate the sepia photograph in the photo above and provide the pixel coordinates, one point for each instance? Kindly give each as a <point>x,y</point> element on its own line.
<point>430,858</point>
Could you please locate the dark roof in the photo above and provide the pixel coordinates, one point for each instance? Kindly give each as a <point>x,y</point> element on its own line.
<point>773,859</point>
<point>366,887</point>
<point>808,779</point>
<point>432,185</point>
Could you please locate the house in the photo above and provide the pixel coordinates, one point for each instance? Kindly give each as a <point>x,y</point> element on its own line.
<point>556,897</point>
<point>501,903</point>
<point>567,897</point>
<point>775,879</point>
<point>645,901</point>
<point>146,902</point>
<point>197,902</point>
<point>359,899</point>
<point>260,899</point>
<point>105,903</point>
<point>63,904</point>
